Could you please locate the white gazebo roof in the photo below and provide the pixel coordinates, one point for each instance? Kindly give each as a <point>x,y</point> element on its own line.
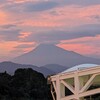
<point>78,80</point>
<point>80,67</point>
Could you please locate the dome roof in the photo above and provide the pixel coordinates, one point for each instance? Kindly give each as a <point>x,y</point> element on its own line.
<point>80,67</point>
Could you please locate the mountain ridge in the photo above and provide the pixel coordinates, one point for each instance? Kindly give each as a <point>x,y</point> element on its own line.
<point>10,68</point>
<point>50,54</point>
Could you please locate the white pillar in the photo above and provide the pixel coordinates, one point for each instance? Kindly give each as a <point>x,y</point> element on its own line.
<point>81,85</point>
<point>62,88</point>
<point>77,86</point>
<point>58,88</point>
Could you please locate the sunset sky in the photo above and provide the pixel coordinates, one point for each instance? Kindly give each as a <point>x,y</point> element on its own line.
<point>71,24</point>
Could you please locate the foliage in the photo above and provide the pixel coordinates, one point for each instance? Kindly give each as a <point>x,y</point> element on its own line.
<point>25,84</point>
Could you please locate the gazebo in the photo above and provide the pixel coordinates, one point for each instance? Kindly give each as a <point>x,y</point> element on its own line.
<point>76,83</point>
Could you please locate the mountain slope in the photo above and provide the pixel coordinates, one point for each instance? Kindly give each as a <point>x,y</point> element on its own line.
<point>10,68</point>
<point>51,54</point>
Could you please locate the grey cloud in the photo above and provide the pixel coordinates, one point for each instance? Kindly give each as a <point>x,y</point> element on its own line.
<point>55,13</point>
<point>53,36</point>
<point>83,42</point>
<point>40,6</point>
<point>7,26</point>
<point>81,2</point>
<point>31,7</point>
<point>13,8</point>
<point>96,17</point>
<point>46,5</point>
<point>57,35</point>
<point>3,1</point>
<point>10,35</point>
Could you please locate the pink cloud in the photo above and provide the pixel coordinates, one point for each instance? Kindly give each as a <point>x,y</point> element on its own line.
<point>70,16</point>
<point>64,17</point>
<point>3,17</point>
<point>87,46</point>
<point>20,1</point>
<point>7,48</point>
<point>24,35</point>
<point>59,17</point>
<point>41,23</point>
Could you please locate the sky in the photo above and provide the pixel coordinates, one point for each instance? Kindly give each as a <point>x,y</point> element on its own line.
<point>70,24</point>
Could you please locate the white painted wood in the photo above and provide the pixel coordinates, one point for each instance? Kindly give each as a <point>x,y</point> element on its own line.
<point>68,86</point>
<point>54,85</point>
<point>58,88</point>
<point>88,84</point>
<point>68,97</point>
<point>53,95</point>
<point>62,88</point>
<point>90,92</point>
<point>80,86</point>
<point>77,85</point>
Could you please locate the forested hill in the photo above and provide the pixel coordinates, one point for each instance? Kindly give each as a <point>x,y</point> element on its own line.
<point>25,84</point>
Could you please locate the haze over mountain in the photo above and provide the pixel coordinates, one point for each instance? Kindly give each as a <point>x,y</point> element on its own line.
<point>55,68</point>
<point>46,70</point>
<point>10,67</point>
<point>50,54</point>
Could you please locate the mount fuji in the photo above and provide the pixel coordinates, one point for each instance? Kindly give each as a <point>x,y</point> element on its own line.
<point>45,54</point>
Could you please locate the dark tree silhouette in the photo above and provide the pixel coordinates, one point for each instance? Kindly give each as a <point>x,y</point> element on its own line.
<point>25,84</point>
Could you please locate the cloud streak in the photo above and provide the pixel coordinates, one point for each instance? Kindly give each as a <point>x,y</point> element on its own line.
<point>40,6</point>
<point>58,35</point>
<point>88,46</point>
<point>81,2</point>
<point>9,35</point>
